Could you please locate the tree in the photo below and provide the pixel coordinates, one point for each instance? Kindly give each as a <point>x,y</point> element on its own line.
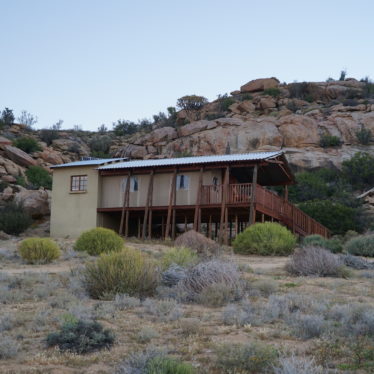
<point>359,170</point>
<point>102,129</point>
<point>123,127</point>
<point>27,119</point>
<point>7,117</point>
<point>192,104</point>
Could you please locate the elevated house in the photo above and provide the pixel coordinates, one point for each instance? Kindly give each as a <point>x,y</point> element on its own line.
<point>158,198</point>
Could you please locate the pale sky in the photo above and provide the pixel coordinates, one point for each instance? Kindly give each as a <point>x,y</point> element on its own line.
<point>90,62</point>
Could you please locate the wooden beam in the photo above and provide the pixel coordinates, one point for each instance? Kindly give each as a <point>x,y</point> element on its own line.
<point>125,201</point>
<point>148,203</point>
<point>252,209</point>
<point>286,193</point>
<point>223,204</point>
<point>171,199</point>
<point>150,224</point>
<point>198,201</point>
<point>210,227</point>
<point>173,227</point>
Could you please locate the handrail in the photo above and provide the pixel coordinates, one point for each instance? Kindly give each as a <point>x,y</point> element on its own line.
<point>278,208</point>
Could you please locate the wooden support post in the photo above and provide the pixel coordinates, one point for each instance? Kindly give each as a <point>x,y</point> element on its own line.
<point>252,209</point>
<point>230,231</point>
<point>210,227</point>
<point>139,225</point>
<point>150,224</point>
<point>226,235</point>
<point>215,230</point>
<point>222,227</point>
<point>125,205</point>
<point>198,201</point>
<point>171,199</point>
<point>162,227</point>
<point>262,217</point>
<point>148,203</point>
<point>286,193</point>
<point>236,225</point>
<point>174,211</point>
<point>185,223</point>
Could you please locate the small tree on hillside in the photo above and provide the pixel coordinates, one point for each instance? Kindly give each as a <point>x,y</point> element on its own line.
<point>192,104</point>
<point>27,119</point>
<point>7,117</point>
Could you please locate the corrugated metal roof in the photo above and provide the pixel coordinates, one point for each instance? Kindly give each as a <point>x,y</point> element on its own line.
<point>191,160</point>
<point>89,162</point>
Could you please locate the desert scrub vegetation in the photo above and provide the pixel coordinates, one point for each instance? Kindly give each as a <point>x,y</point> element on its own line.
<point>212,283</point>
<point>8,347</point>
<point>315,261</point>
<point>251,358</point>
<point>333,244</point>
<point>362,245</point>
<point>197,242</point>
<point>81,337</point>
<point>128,271</point>
<point>14,219</point>
<point>38,177</point>
<point>180,256</point>
<point>153,361</point>
<point>27,144</point>
<point>39,250</point>
<point>298,365</point>
<point>269,239</point>
<point>328,140</point>
<point>99,240</point>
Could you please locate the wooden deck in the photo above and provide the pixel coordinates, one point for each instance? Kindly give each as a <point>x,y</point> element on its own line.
<point>229,208</point>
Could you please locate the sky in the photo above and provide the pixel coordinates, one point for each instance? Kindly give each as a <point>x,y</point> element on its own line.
<point>92,62</point>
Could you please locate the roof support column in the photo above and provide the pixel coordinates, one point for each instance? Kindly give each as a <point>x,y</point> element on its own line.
<point>252,208</point>
<point>125,206</point>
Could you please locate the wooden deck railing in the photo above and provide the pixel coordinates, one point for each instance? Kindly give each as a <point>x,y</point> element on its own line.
<point>267,202</point>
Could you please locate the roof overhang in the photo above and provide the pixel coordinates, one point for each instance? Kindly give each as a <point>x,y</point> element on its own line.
<point>273,168</point>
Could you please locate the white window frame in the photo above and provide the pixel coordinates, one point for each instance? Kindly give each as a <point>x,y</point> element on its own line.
<point>185,179</point>
<point>134,181</point>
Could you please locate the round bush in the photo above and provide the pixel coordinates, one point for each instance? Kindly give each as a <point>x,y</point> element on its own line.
<point>99,240</point>
<point>183,257</point>
<point>39,250</point>
<point>81,337</point>
<point>362,245</point>
<point>14,219</point>
<point>267,239</point>
<point>128,271</point>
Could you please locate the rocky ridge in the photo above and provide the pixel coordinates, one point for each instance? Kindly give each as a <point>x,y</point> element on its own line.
<point>263,115</point>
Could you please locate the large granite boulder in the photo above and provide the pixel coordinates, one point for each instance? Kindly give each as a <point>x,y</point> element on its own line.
<point>18,156</point>
<point>259,85</point>
<point>35,202</point>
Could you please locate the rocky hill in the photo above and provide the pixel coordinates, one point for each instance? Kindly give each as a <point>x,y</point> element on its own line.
<point>318,124</point>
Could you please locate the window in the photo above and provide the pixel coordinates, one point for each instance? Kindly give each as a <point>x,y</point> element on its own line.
<point>134,184</point>
<point>183,182</point>
<point>78,183</point>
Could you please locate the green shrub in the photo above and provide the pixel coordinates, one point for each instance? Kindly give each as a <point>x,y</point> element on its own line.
<point>99,240</point>
<point>335,216</point>
<point>364,136</point>
<point>3,185</point>
<point>39,250</point>
<point>167,365</point>
<point>100,144</point>
<point>362,245</point>
<point>359,170</point>
<point>81,337</point>
<point>20,180</point>
<point>180,256</point>
<point>39,177</point>
<point>27,144</point>
<point>334,244</point>
<point>128,271</point>
<point>268,239</point>
<point>252,358</point>
<point>224,101</point>
<point>329,141</point>
<point>274,92</point>
<point>14,219</point>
